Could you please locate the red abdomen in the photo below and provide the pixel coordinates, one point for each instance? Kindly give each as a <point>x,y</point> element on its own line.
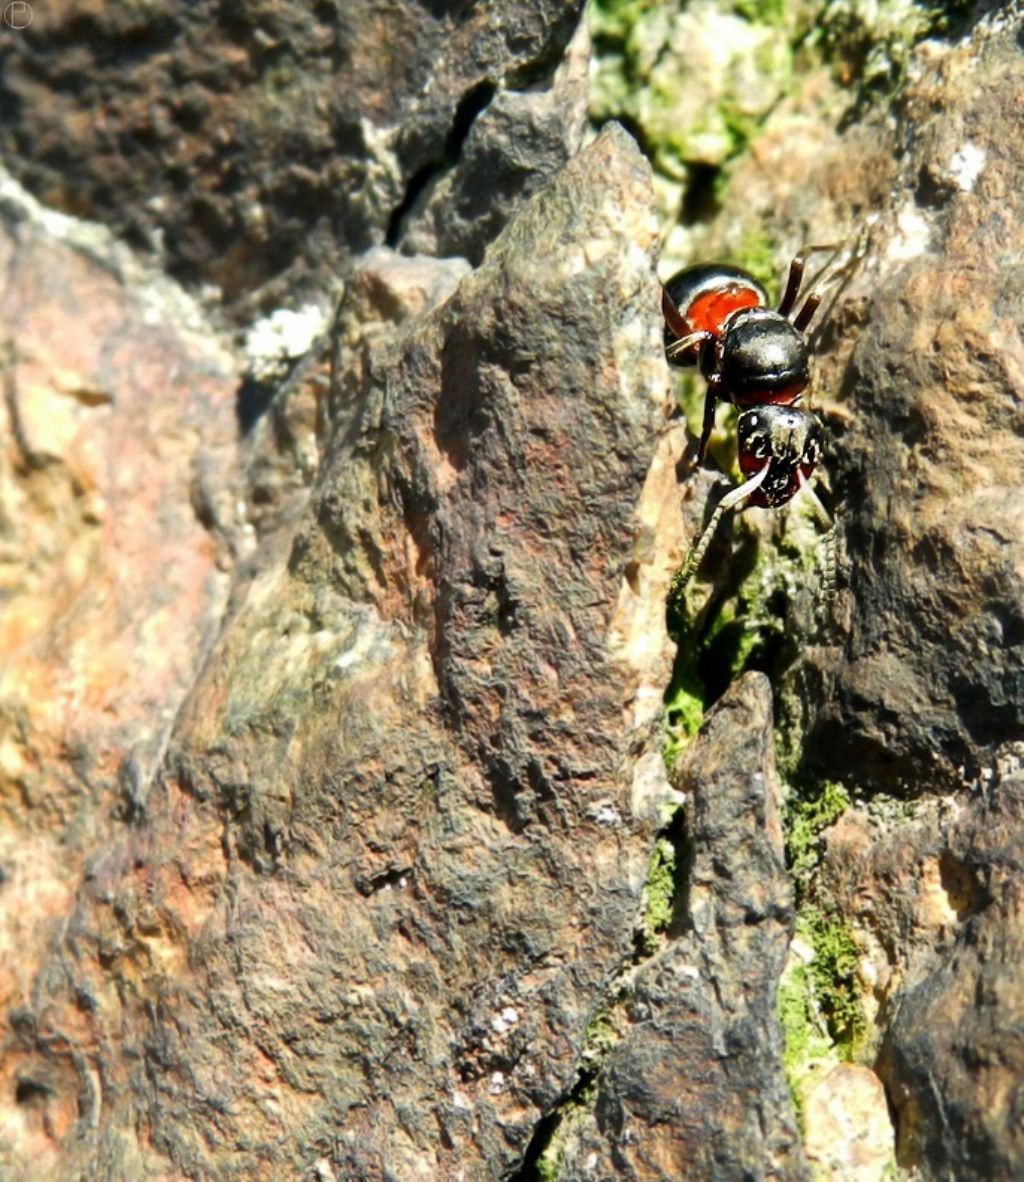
<point>708,311</point>
<point>699,298</point>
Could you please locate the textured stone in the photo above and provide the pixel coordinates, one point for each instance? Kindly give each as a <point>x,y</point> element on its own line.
<point>848,1130</point>
<point>331,760</point>
<point>424,674</point>
<point>929,688</point>
<point>118,487</point>
<point>922,695</point>
<point>248,143</point>
<point>937,908</point>
<point>694,1086</point>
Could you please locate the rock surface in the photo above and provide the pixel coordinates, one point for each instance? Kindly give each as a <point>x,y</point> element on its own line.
<point>930,690</point>
<point>924,696</point>
<point>694,1086</point>
<point>421,678</point>
<point>334,824</point>
<point>250,144</point>
<point>117,501</point>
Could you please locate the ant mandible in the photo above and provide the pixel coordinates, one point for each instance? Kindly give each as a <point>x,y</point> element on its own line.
<point>716,317</point>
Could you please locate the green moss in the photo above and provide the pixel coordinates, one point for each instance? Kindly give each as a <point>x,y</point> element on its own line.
<point>764,12</point>
<point>598,1039</point>
<point>695,82</point>
<point>599,1036</point>
<point>684,709</point>
<point>818,1002</point>
<point>806,1045</point>
<point>659,891</point>
<point>690,390</point>
<point>734,636</point>
<point>834,971</point>
<point>746,629</point>
<point>870,41</point>
<point>549,1165</point>
<point>757,254</point>
<point>685,695</point>
<point>805,818</point>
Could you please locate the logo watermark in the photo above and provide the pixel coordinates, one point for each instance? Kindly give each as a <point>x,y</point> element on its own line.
<point>17,14</point>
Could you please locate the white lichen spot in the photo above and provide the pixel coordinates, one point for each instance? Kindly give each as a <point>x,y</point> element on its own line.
<point>282,335</point>
<point>650,788</point>
<point>161,301</point>
<point>497,1084</point>
<point>912,237</point>
<point>800,950</point>
<point>967,165</point>
<point>361,639</point>
<point>688,971</point>
<point>502,1023</point>
<point>605,813</point>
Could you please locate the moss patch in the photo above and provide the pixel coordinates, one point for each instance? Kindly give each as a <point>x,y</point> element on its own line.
<point>659,891</point>
<point>743,625</point>
<point>870,41</point>
<point>805,818</point>
<point>807,1046</point>
<point>834,971</point>
<point>694,81</point>
<point>684,709</point>
<point>818,1001</point>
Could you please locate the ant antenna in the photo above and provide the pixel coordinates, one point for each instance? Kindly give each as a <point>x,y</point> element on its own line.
<point>703,539</point>
<point>820,512</point>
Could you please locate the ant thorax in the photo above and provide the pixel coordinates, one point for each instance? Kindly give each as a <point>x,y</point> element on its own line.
<point>761,358</point>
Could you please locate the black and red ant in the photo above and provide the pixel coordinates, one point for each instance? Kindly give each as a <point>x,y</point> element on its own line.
<point>716,317</point>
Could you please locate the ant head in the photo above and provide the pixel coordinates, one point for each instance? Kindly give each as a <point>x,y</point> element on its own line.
<point>762,357</point>
<point>788,441</point>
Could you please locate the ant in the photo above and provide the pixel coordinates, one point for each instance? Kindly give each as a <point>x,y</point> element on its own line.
<point>757,357</point>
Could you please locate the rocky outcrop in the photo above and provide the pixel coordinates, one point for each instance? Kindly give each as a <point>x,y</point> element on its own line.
<point>337,835</point>
<point>693,1086</point>
<point>252,146</point>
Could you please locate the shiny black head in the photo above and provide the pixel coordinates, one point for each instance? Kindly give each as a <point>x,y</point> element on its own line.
<point>788,440</point>
<point>762,357</point>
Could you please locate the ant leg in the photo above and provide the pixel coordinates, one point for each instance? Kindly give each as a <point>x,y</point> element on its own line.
<point>675,320</point>
<point>834,275</point>
<point>830,568</point>
<point>820,512</point>
<point>806,313</point>
<point>701,542</point>
<point>710,402</point>
<point>684,343</point>
<point>796,275</point>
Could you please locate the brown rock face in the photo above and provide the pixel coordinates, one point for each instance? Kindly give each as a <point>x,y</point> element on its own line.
<point>430,675</point>
<point>116,459</point>
<point>330,706</point>
<point>922,697</point>
<point>397,719</point>
<point>694,1087</point>
<point>250,143</point>
<point>929,689</point>
<point>939,903</point>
